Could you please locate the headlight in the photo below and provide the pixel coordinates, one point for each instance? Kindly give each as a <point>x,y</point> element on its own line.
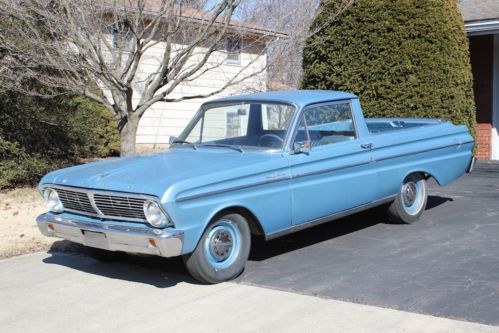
<point>52,200</point>
<point>155,215</point>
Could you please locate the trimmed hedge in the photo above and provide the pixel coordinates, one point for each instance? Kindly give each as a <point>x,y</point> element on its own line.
<point>404,58</point>
<point>39,135</point>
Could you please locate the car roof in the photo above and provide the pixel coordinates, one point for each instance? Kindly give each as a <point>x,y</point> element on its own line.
<point>298,97</point>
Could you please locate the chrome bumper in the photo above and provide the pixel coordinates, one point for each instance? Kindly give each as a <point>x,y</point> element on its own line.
<point>472,165</point>
<point>113,236</point>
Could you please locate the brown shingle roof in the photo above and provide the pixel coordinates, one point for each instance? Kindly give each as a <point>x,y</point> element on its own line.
<point>478,10</point>
<point>153,6</point>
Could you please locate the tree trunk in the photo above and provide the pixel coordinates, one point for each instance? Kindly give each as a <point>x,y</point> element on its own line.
<point>128,134</point>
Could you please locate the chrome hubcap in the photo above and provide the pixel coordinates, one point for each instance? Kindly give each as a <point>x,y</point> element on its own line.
<point>409,193</point>
<point>221,244</point>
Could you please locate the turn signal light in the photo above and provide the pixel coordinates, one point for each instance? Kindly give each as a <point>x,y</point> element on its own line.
<point>153,243</point>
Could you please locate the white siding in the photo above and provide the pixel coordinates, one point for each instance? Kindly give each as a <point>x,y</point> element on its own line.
<point>163,120</point>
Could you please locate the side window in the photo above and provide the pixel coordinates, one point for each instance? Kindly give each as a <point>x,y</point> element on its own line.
<point>276,116</point>
<point>326,124</point>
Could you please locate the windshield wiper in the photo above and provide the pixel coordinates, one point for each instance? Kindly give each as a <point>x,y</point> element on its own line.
<point>185,142</point>
<point>236,148</point>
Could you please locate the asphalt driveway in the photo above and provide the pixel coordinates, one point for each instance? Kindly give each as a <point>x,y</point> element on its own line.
<point>446,265</point>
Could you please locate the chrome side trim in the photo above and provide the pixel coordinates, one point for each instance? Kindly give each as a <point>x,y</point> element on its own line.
<point>269,181</point>
<point>422,151</point>
<point>313,173</point>
<point>329,218</point>
<point>230,189</point>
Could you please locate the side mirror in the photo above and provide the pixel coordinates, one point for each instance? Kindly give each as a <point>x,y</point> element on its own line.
<point>302,147</point>
<point>172,139</point>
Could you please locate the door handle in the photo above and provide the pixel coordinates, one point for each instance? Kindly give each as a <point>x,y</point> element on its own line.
<point>366,146</point>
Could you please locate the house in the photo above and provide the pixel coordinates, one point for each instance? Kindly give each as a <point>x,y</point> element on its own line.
<point>245,52</point>
<point>481,19</point>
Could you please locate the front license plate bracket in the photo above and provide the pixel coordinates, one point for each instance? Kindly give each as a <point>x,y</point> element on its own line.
<point>95,239</point>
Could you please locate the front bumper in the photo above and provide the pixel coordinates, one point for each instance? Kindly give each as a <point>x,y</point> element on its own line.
<point>113,236</point>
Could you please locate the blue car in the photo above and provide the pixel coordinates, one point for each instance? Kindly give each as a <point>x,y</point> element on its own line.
<point>267,164</point>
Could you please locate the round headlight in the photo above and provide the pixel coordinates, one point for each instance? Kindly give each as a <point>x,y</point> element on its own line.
<point>155,215</point>
<point>52,200</point>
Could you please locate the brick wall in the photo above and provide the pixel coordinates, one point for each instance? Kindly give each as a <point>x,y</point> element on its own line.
<point>484,141</point>
<point>482,64</point>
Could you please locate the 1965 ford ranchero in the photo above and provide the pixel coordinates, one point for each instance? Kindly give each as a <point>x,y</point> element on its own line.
<point>268,164</point>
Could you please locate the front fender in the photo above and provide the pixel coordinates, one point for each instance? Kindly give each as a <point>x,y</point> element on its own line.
<point>269,203</point>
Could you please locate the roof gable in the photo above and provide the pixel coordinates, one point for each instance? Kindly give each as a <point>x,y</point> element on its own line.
<point>479,10</point>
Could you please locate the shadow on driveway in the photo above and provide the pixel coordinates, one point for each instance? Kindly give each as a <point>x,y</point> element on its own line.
<point>156,271</point>
<point>262,250</point>
<point>166,272</point>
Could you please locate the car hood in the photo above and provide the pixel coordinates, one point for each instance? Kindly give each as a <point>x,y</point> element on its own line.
<point>155,173</point>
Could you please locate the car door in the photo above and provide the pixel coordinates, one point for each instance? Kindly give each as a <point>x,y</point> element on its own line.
<point>335,174</point>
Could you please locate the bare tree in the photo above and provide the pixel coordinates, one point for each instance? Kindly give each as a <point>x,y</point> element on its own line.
<point>294,18</point>
<point>77,45</point>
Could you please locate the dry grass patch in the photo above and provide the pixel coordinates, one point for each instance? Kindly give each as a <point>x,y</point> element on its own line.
<point>19,233</point>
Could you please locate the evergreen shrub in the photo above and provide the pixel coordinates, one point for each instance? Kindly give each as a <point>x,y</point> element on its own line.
<point>39,135</point>
<point>404,58</point>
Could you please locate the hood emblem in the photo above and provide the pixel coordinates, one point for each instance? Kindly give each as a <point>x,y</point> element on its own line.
<point>102,175</point>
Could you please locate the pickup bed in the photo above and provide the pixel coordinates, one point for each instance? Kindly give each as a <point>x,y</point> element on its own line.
<point>267,164</point>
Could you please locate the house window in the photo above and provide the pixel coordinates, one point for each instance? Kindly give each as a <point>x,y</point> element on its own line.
<point>233,127</point>
<point>233,48</point>
<point>122,36</point>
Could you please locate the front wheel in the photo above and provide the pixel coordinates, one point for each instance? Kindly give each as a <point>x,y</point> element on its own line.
<point>410,202</point>
<point>222,250</point>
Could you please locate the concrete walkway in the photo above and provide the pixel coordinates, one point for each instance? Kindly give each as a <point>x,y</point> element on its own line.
<point>66,293</point>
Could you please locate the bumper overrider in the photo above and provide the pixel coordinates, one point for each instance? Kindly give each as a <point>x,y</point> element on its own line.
<point>113,236</point>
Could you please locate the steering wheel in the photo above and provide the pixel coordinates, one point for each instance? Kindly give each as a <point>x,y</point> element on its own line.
<point>272,137</point>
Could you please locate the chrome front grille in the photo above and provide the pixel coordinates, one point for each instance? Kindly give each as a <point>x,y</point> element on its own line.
<point>102,204</point>
<point>77,201</point>
<point>125,207</point>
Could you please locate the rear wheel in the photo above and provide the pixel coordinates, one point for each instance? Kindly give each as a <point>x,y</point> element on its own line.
<point>410,202</point>
<point>222,251</point>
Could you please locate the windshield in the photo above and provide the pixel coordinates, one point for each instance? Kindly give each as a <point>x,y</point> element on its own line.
<point>242,124</point>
